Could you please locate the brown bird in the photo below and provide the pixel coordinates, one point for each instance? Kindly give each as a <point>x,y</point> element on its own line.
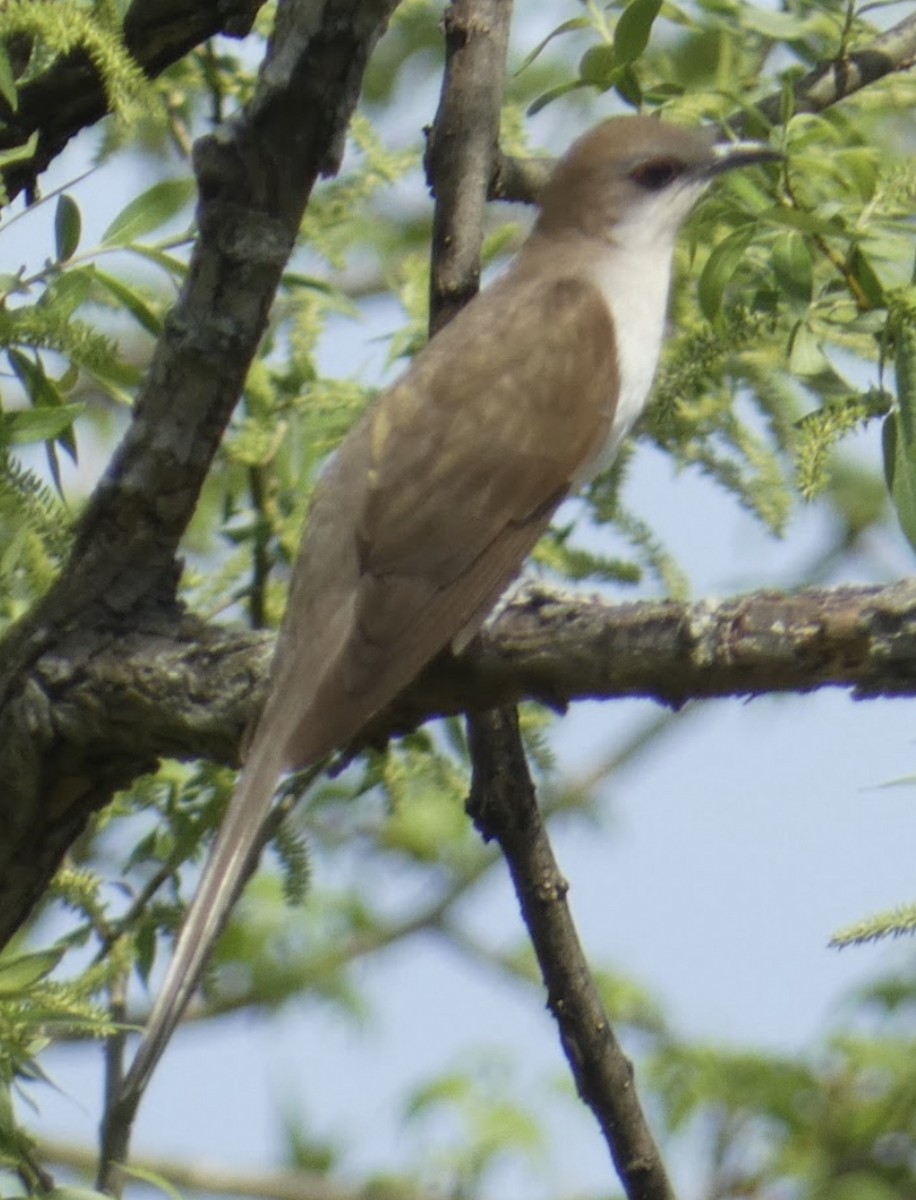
<point>429,507</point>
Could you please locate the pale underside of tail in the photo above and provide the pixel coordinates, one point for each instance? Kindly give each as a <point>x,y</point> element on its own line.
<point>411,537</point>
<point>226,870</point>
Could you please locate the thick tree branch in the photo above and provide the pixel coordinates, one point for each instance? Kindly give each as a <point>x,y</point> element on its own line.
<point>255,177</point>
<point>189,694</point>
<point>70,96</point>
<point>555,648</point>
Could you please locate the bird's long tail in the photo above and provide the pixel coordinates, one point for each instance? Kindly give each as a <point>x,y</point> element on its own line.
<point>224,875</point>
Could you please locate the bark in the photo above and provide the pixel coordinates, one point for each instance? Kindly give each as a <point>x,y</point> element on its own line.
<point>117,591</point>
<point>103,705</point>
<point>71,95</point>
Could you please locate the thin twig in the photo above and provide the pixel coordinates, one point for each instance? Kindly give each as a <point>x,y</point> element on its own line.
<point>210,1179</point>
<point>260,558</point>
<point>520,179</point>
<point>110,934</point>
<point>115,1137</point>
<point>504,807</point>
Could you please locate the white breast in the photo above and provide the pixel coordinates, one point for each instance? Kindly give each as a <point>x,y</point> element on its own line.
<point>635,284</point>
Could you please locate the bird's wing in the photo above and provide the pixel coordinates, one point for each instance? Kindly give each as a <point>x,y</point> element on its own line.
<point>421,521</point>
<point>462,464</point>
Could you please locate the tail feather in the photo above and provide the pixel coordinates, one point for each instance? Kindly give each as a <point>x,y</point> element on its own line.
<point>224,875</point>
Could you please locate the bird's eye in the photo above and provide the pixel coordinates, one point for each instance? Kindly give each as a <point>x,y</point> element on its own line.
<point>657,173</point>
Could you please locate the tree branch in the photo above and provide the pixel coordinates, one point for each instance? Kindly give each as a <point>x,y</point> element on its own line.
<point>891,51</point>
<point>462,152</point>
<point>462,149</point>
<point>117,703</point>
<point>504,807</point>
<point>70,96</point>
<point>290,1184</point>
<point>520,179</point>
<point>190,694</point>
<point>553,647</point>
<point>255,177</point>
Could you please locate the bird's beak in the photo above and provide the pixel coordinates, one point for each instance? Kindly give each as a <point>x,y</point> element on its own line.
<point>726,155</point>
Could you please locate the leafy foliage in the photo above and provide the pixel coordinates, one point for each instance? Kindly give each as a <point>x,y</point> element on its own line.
<point>33,531</point>
<point>895,923</point>
<point>48,32</point>
<point>838,1121</point>
<point>900,425</point>
<point>34,1010</point>
<point>794,287</point>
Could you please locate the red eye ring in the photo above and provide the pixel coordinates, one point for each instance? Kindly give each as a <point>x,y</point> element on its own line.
<point>657,173</point>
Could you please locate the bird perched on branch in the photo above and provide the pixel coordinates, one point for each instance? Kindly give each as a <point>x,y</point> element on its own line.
<point>429,507</point>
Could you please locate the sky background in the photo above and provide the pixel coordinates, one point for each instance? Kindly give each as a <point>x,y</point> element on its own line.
<point>724,863</point>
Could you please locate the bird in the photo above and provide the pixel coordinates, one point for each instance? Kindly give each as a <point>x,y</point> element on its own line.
<point>427,510</point>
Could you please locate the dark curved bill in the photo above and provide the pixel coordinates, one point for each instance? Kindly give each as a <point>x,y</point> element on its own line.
<point>740,154</point>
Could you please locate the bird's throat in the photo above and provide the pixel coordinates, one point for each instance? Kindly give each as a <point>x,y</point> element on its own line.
<point>635,286</point>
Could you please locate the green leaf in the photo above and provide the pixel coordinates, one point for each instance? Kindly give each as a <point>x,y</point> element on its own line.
<point>793,266</point>
<point>154,1179</point>
<point>566,27</point>
<point>67,227</point>
<point>626,81</point>
<point>899,431</point>
<point>68,291</point>
<point>115,377</point>
<point>552,94</point>
<point>9,284</point>
<point>806,222</point>
<point>154,208</point>
<point>30,374</point>
<point>904,334</point>
<point>37,424</point>
<point>867,279</point>
<point>720,269</point>
<point>632,32</point>
<point>597,66</point>
<point>145,945</point>
<point>168,262</point>
<point>46,396</point>
<point>7,81</point>
<point>780,26</point>
<point>860,166</point>
<point>806,357</point>
<point>20,972</point>
<point>19,153</point>
<point>294,279</point>
<point>132,301</point>
<point>900,473</point>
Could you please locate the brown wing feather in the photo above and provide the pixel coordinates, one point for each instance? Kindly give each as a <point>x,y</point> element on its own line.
<point>462,465</point>
<point>422,520</point>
